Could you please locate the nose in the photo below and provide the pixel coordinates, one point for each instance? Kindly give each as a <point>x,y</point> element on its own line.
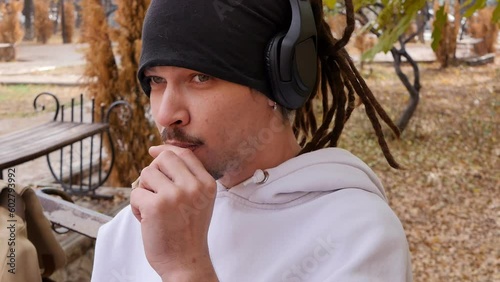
<point>172,109</point>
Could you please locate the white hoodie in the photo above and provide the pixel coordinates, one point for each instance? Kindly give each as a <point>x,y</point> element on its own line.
<point>321,216</point>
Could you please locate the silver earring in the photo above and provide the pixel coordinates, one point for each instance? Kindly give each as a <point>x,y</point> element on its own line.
<point>275,106</point>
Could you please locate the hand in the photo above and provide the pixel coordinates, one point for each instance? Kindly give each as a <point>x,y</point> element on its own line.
<point>174,203</point>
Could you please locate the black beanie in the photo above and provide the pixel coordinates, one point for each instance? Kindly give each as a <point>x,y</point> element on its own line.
<point>226,39</point>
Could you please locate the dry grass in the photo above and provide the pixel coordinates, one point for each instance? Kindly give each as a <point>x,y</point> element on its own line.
<point>17,100</point>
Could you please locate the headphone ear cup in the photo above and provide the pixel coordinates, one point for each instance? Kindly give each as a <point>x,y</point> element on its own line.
<point>291,93</point>
<point>272,66</point>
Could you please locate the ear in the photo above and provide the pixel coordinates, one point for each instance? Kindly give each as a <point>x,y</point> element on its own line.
<point>271,103</point>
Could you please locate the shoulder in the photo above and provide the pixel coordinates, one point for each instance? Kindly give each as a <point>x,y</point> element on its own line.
<point>356,212</point>
<point>369,239</point>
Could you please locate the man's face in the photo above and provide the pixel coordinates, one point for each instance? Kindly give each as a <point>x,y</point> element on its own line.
<point>214,118</point>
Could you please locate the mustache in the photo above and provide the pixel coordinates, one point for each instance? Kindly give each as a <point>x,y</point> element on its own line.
<point>176,134</point>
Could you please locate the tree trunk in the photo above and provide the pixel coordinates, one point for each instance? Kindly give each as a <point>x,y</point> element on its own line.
<point>456,29</point>
<point>28,13</point>
<point>56,22</point>
<point>413,89</point>
<point>63,23</point>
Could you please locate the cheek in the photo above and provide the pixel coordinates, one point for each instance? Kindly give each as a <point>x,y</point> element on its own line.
<point>155,105</point>
<point>220,128</point>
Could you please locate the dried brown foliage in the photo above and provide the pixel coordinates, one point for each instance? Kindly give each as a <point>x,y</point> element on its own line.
<point>141,133</point>
<point>482,27</point>
<point>101,68</point>
<point>101,71</point>
<point>115,82</point>
<point>43,24</point>
<point>69,21</point>
<point>10,28</point>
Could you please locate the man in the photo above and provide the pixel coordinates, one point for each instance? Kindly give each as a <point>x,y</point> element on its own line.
<point>231,194</point>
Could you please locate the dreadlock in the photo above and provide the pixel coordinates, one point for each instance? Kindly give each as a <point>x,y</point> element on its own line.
<point>338,82</point>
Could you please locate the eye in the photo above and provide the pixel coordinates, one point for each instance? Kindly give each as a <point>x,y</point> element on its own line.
<point>152,80</point>
<point>200,78</point>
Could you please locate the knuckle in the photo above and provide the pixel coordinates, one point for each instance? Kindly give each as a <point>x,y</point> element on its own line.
<point>210,184</point>
<point>193,191</point>
<point>145,175</point>
<point>184,152</point>
<point>165,155</point>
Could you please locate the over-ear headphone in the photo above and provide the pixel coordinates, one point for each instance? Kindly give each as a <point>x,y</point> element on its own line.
<point>291,58</point>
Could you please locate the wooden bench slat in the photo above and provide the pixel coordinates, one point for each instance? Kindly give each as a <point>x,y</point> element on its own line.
<point>44,146</point>
<point>31,138</point>
<point>82,220</point>
<point>13,152</point>
<point>26,132</point>
<point>56,136</point>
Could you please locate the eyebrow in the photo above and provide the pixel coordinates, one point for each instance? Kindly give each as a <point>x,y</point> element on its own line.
<point>147,71</point>
<point>151,71</point>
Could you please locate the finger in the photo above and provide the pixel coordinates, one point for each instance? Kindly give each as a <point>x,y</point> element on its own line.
<point>180,170</point>
<point>191,161</point>
<point>145,203</point>
<point>153,180</point>
<point>139,197</point>
<point>172,166</point>
<point>154,151</point>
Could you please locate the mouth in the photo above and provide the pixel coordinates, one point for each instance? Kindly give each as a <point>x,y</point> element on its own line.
<point>189,146</point>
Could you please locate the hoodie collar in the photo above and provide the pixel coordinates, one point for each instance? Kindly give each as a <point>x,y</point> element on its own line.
<point>322,171</point>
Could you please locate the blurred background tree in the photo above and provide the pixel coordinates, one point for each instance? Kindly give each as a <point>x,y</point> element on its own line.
<point>28,13</point>
<point>478,20</point>
<point>482,25</point>
<point>396,23</point>
<point>11,31</point>
<point>110,79</point>
<point>391,24</point>
<point>43,25</point>
<point>67,10</point>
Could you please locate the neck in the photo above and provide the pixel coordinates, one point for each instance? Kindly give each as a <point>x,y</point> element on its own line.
<point>282,147</point>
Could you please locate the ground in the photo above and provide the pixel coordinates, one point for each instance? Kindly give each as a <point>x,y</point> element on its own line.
<point>447,194</point>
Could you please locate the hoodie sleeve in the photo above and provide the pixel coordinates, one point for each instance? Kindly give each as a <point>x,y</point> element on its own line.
<point>370,243</point>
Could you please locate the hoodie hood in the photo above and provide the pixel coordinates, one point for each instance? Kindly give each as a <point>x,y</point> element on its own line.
<point>318,172</point>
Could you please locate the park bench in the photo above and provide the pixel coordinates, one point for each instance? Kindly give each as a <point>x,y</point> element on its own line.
<point>76,171</point>
<point>59,137</point>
